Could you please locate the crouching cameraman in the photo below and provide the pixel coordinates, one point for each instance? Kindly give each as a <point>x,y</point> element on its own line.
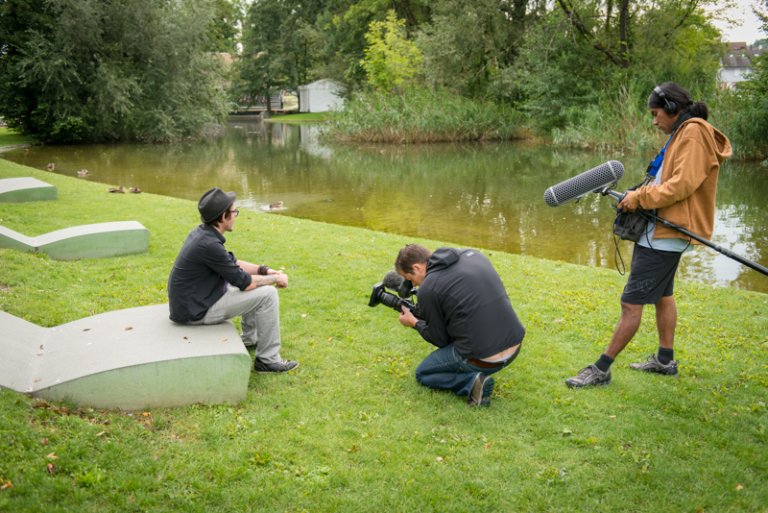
<point>464,310</point>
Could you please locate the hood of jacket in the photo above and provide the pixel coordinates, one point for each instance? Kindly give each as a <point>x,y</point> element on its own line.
<point>719,142</point>
<point>443,258</point>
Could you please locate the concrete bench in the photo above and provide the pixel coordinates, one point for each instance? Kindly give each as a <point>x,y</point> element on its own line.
<point>99,240</point>
<point>126,359</point>
<point>17,190</point>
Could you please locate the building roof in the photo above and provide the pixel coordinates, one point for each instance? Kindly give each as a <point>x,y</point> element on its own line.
<point>740,55</point>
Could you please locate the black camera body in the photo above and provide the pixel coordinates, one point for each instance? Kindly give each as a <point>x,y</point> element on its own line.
<point>381,296</point>
<point>405,289</point>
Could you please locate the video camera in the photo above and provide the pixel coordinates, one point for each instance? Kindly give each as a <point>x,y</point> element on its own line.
<point>404,289</point>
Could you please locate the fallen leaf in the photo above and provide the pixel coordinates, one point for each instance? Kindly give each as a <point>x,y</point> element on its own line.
<point>51,468</point>
<point>52,456</point>
<point>6,485</point>
<point>739,487</point>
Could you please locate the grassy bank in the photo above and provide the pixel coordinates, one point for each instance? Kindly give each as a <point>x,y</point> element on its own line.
<point>10,137</point>
<point>297,119</point>
<point>350,430</point>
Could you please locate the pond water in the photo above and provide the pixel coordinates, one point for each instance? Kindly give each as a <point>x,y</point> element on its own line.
<point>483,195</point>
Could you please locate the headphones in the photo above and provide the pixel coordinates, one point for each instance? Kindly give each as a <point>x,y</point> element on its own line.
<point>670,107</point>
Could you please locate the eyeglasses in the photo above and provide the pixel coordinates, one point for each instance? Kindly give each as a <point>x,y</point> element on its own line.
<point>236,212</point>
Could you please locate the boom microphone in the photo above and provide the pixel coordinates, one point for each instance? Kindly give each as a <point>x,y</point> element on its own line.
<point>592,180</point>
<point>394,281</point>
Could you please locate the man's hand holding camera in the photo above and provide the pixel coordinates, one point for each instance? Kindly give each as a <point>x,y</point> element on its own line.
<point>407,318</point>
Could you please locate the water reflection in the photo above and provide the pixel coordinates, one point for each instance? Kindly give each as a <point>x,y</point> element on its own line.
<point>483,195</point>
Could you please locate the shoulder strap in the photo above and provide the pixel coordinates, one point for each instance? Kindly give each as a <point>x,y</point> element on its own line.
<point>655,165</point>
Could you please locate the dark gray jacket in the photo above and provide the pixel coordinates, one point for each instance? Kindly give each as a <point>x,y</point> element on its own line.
<point>462,301</point>
<point>200,275</point>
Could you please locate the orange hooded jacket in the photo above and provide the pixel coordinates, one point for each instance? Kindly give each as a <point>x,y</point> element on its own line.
<point>686,194</point>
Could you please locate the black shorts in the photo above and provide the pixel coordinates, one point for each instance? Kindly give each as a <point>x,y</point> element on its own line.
<point>651,277</point>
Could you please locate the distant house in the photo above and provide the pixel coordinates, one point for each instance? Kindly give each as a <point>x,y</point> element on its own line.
<point>736,63</point>
<point>321,96</point>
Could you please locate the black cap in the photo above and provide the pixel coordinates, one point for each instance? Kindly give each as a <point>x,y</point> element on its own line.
<point>214,203</point>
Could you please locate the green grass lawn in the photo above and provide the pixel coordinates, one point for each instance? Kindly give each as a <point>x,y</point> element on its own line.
<point>10,137</point>
<point>298,118</point>
<point>351,430</point>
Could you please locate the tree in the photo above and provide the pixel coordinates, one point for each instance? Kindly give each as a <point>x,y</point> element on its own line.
<point>587,52</point>
<point>224,28</point>
<point>281,46</point>
<point>621,31</point>
<point>467,44</point>
<point>391,61</point>
<point>309,39</point>
<point>81,70</point>
<point>260,61</point>
<point>749,128</point>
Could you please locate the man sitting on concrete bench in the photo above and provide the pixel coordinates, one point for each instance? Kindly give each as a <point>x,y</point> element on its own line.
<point>208,285</point>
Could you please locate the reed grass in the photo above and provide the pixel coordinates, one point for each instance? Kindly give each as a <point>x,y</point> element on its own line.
<point>618,122</point>
<point>423,115</point>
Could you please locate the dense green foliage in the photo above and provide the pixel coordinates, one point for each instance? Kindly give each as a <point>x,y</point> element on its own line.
<point>225,25</point>
<point>350,430</point>
<point>391,61</point>
<point>747,107</point>
<point>10,137</point>
<point>280,45</point>
<point>580,70</point>
<point>77,70</point>
<point>468,45</point>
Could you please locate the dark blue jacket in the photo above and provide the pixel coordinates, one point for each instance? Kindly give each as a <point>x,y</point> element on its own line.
<point>462,301</point>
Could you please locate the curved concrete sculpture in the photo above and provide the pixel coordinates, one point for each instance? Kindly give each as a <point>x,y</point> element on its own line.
<point>18,190</point>
<point>127,359</point>
<point>99,240</point>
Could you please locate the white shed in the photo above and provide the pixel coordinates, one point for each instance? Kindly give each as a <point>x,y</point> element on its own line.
<point>321,96</point>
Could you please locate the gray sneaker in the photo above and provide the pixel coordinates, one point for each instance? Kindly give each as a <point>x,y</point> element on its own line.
<point>589,376</point>
<point>281,366</point>
<point>652,364</point>
<point>482,388</point>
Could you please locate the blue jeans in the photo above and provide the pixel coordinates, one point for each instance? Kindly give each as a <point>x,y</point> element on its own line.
<point>445,369</point>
